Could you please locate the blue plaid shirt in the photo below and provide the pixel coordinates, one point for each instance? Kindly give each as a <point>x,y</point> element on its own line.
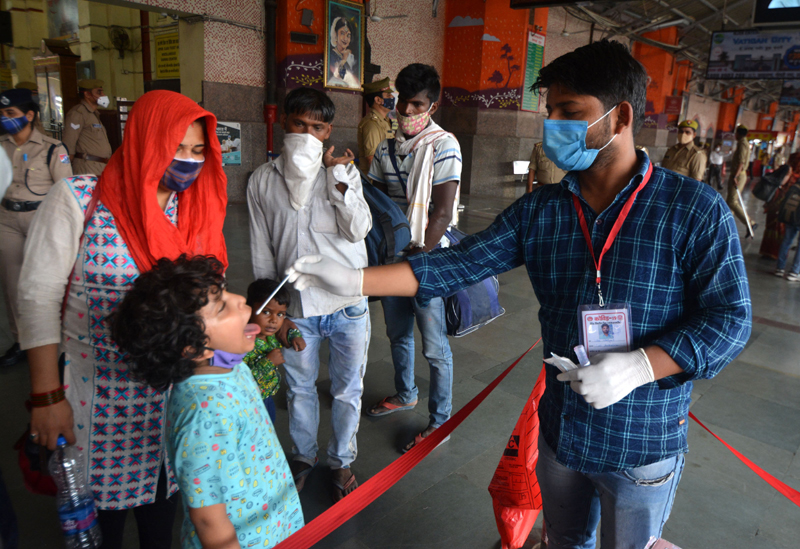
<point>678,262</point>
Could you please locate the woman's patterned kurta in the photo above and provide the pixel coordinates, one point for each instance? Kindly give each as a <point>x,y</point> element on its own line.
<point>119,423</point>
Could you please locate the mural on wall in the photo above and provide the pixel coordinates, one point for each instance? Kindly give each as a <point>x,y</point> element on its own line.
<point>303,64</point>
<point>509,58</point>
<point>391,49</point>
<point>485,48</point>
<point>301,70</point>
<point>344,45</point>
<point>499,97</point>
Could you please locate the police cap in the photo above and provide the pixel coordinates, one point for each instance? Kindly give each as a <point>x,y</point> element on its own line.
<point>380,85</point>
<point>15,98</point>
<point>28,86</point>
<point>89,84</point>
<point>689,124</point>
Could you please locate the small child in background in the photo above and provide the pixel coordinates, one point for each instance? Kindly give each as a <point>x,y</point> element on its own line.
<point>236,485</point>
<point>265,358</point>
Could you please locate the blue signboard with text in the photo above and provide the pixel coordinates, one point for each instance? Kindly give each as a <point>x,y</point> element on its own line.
<point>754,55</point>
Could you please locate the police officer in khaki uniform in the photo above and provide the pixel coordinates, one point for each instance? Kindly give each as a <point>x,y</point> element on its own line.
<point>684,157</point>
<point>84,134</point>
<point>542,169</point>
<point>38,162</point>
<point>739,163</point>
<point>375,126</point>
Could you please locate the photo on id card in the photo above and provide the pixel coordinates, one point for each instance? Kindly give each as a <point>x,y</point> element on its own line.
<point>605,330</point>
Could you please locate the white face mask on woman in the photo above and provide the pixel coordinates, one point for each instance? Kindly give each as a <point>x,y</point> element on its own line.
<point>302,154</point>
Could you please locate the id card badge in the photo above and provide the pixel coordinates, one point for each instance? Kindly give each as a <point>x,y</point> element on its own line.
<point>606,329</point>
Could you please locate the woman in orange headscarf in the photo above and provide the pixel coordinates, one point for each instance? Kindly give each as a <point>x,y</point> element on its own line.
<point>162,194</point>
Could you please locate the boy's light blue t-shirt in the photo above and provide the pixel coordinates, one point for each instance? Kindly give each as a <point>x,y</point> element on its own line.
<point>224,450</point>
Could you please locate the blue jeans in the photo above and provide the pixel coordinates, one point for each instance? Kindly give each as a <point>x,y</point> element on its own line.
<point>347,332</point>
<point>634,504</point>
<point>399,313</point>
<point>783,254</point>
<point>269,404</point>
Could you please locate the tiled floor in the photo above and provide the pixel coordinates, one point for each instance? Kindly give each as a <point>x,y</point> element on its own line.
<point>443,503</point>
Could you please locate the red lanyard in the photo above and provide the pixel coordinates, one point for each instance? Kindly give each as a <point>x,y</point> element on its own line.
<point>614,230</point>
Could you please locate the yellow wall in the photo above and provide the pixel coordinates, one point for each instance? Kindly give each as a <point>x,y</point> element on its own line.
<point>192,59</point>
<point>28,27</point>
<point>122,77</point>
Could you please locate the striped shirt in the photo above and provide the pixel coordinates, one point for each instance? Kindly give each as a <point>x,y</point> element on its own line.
<point>677,260</point>
<point>446,167</point>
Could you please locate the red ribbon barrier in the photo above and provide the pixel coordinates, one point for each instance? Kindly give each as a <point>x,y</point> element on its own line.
<point>783,488</point>
<point>368,492</point>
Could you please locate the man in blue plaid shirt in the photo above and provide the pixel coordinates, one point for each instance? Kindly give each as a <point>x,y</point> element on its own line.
<point>613,434</point>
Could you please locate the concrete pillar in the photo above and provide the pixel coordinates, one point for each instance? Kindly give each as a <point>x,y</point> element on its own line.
<point>485,50</point>
<point>191,38</point>
<point>728,111</point>
<point>29,27</point>
<point>661,67</point>
<point>668,77</point>
<point>766,119</point>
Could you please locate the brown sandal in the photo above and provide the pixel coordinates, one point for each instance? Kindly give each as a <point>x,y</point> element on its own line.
<point>419,438</point>
<point>341,490</point>
<point>388,408</point>
<point>300,475</point>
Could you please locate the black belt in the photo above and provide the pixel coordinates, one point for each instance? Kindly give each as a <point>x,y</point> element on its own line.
<point>14,206</point>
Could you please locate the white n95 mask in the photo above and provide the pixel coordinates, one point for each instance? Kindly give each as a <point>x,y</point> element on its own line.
<point>302,156</point>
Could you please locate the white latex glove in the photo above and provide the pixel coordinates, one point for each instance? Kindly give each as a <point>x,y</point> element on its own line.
<point>323,272</point>
<point>610,377</point>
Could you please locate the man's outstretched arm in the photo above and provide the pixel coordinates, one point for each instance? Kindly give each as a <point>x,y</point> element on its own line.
<point>322,272</point>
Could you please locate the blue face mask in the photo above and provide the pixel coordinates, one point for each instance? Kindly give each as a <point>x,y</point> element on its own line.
<point>14,125</point>
<point>565,143</point>
<point>181,174</point>
<point>388,103</point>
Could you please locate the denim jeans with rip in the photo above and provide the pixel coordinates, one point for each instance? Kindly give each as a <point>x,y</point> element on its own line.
<point>630,505</point>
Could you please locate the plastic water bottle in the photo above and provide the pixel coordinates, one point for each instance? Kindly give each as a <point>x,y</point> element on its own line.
<point>75,501</point>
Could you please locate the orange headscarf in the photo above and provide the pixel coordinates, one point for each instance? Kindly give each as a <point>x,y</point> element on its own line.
<point>155,127</point>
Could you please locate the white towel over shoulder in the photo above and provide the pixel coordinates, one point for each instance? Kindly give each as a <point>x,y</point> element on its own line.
<point>420,178</point>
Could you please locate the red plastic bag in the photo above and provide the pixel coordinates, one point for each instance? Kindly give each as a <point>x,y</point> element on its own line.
<point>514,488</point>
<point>32,460</point>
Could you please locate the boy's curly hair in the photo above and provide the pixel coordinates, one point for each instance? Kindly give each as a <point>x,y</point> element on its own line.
<point>158,324</point>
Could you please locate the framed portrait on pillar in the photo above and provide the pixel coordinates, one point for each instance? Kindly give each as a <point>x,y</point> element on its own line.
<point>344,45</point>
